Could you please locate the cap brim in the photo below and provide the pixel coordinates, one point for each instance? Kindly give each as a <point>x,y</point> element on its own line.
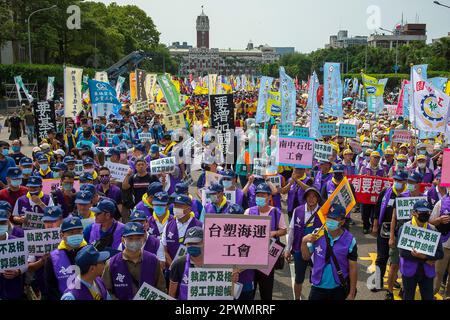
<point>82,202</point>
<point>423,210</point>
<point>134,233</point>
<point>33,185</point>
<point>95,210</point>
<point>193,240</point>
<point>49,219</point>
<point>72,228</point>
<point>103,256</point>
<point>160,203</point>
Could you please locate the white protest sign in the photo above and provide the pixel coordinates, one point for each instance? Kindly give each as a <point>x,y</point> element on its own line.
<point>79,167</point>
<point>163,165</point>
<point>145,136</point>
<point>104,150</point>
<point>147,292</point>
<point>401,136</point>
<point>33,220</point>
<point>13,255</point>
<point>322,151</point>
<point>422,240</point>
<point>109,137</point>
<point>211,177</point>
<point>260,166</point>
<point>118,171</point>
<point>404,207</point>
<point>275,180</point>
<point>42,241</point>
<point>230,195</point>
<point>210,284</point>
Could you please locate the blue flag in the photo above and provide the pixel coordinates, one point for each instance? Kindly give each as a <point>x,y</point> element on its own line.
<point>103,99</point>
<point>355,85</point>
<point>264,88</point>
<point>288,98</point>
<point>422,70</point>
<point>313,107</point>
<point>439,82</point>
<point>380,100</point>
<point>332,95</point>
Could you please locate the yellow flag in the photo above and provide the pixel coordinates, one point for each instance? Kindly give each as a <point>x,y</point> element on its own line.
<point>447,90</point>
<point>160,95</point>
<point>133,87</point>
<point>372,87</point>
<point>227,88</point>
<point>176,83</point>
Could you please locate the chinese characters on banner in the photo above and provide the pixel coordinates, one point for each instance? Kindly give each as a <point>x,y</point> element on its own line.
<point>347,130</point>
<point>327,129</point>
<point>401,136</point>
<point>285,129</point>
<point>145,136</point>
<point>222,119</point>
<point>141,106</point>
<point>419,239</point>
<point>404,207</point>
<point>260,166</point>
<point>238,240</point>
<point>72,91</point>
<point>44,118</point>
<point>163,165</point>
<point>118,171</point>
<point>13,255</point>
<point>161,108</point>
<point>367,189</point>
<point>174,121</point>
<point>301,132</point>
<point>140,85</point>
<point>147,292</point>
<point>295,152</point>
<point>343,195</point>
<point>103,99</point>
<point>275,250</point>
<point>275,180</point>
<point>42,241</point>
<point>33,220</point>
<point>210,284</point>
<point>78,167</point>
<point>170,93</point>
<point>322,151</point>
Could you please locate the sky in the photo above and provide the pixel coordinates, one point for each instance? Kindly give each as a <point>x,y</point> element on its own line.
<point>303,24</point>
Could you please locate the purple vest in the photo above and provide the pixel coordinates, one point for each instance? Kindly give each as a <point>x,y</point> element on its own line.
<point>340,250</point>
<point>299,226</point>
<point>23,205</point>
<point>427,176</point>
<point>173,242</point>
<point>117,237</point>
<point>408,268</point>
<point>432,195</point>
<point>321,180</point>
<point>275,214</point>
<point>239,196</point>
<point>184,285</point>
<point>122,279</point>
<point>445,210</point>
<point>153,226</point>
<point>330,187</point>
<point>17,232</point>
<point>83,292</point>
<point>60,263</point>
<point>379,172</point>
<point>349,170</point>
<point>296,192</point>
<point>152,244</point>
<point>210,208</point>
<point>141,206</point>
<point>384,203</point>
<point>387,167</point>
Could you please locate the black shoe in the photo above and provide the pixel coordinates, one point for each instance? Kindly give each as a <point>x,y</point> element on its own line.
<point>389,296</point>
<point>397,285</point>
<point>366,231</point>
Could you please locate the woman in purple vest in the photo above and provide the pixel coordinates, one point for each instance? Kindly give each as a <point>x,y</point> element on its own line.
<point>423,169</point>
<point>418,268</point>
<point>349,165</point>
<point>250,191</point>
<point>326,282</point>
<point>146,203</point>
<point>59,267</point>
<point>323,175</point>
<point>126,271</point>
<point>161,215</point>
<point>11,281</point>
<point>90,285</point>
<point>34,201</point>
<point>303,222</point>
<point>278,229</point>
<point>295,188</point>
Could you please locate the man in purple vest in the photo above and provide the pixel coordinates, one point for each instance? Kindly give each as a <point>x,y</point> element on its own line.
<point>183,188</point>
<point>418,268</point>
<point>295,188</point>
<point>107,189</point>
<point>11,281</point>
<point>422,168</point>
<point>126,271</point>
<point>161,215</point>
<point>323,175</point>
<point>327,282</point>
<point>89,285</point>
<point>106,232</point>
<point>145,203</point>
<point>219,203</point>
<point>59,267</point>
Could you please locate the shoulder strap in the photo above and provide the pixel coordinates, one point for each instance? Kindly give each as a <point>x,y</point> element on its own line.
<point>335,262</point>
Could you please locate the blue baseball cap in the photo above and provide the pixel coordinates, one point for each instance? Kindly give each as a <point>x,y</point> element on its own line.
<point>181,188</point>
<point>71,223</point>
<point>42,158</point>
<point>400,176</point>
<point>336,211</point>
<point>85,177</point>
<point>161,198</point>
<point>415,177</point>
<point>338,168</point>
<point>14,173</point>
<point>34,181</point>
<point>105,205</point>
<point>230,174</point>
<point>263,188</point>
<point>89,187</point>
<point>215,188</point>
<point>69,159</point>
<point>90,256</point>
<point>183,199</point>
<point>422,206</point>
<point>60,166</point>
<point>138,215</point>
<point>235,209</point>
<point>140,148</point>
<point>133,228</point>
<point>154,148</point>
<point>154,188</point>
<point>83,197</point>
<point>114,151</point>
<point>88,161</point>
<point>25,161</point>
<point>121,149</point>
<point>5,205</point>
<point>4,215</point>
<point>51,214</point>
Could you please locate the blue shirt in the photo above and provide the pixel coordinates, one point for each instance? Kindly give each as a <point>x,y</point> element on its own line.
<point>5,164</point>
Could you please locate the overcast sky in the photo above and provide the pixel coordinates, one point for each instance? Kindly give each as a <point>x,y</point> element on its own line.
<point>303,24</point>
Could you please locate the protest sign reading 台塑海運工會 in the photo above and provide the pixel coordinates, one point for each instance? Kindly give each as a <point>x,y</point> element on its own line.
<point>210,284</point>
<point>295,152</point>
<point>148,292</point>
<point>404,207</point>
<point>13,255</point>
<point>42,241</point>
<point>422,240</point>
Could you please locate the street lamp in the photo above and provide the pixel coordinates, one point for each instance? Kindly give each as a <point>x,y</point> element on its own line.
<point>440,4</point>
<point>29,34</point>
<point>396,48</point>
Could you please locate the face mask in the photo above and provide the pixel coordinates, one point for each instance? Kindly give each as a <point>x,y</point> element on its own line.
<point>338,176</point>
<point>159,210</point>
<point>27,170</point>
<point>34,193</point>
<point>105,180</point>
<point>194,251</point>
<point>133,245</point>
<point>16,182</point>
<point>424,152</point>
<point>398,186</point>
<point>332,225</point>
<point>227,184</point>
<point>5,152</point>
<point>56,175</point>
<point>401,164</point>
<point>67,186</point>
<point>44,167</point>
<point>213,198</point>
<point>422,165</point>
<point>15,148</point>
<point>75,240</point>
<point>423,217</point>
<point>178,212</point>
<point>3,228</point>
<point>90,170</point>
<point>411,187</point>
<point>260,201</point>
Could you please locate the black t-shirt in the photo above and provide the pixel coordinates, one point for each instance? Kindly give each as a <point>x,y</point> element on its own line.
<point>177,269</point>
<point>139,185</point>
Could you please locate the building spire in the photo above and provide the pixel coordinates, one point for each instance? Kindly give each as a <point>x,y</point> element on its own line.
<point>203,13</point>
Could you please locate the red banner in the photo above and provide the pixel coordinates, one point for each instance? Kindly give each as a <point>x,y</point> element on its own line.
<point>368,188</point>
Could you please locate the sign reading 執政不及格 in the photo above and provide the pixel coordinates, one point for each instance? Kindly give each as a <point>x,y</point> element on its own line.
<point>42,241</point>
<point>404,207</point>
<point>33,220</point>
<point>210,284</point>
<point>148,292</point>
<point>322,151</point>
<point>240,240</point>
<point>422,240</point>
<point>163,165</point>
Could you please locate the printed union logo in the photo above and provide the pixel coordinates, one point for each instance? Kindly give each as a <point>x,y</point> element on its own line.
<point>371,90</point>
<point>430,108</point>
<point>120,277</point>
<point>331,69</point>
<point>101,86</point>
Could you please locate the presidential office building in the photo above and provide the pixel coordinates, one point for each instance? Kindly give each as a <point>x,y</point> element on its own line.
<point>203,60</point>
